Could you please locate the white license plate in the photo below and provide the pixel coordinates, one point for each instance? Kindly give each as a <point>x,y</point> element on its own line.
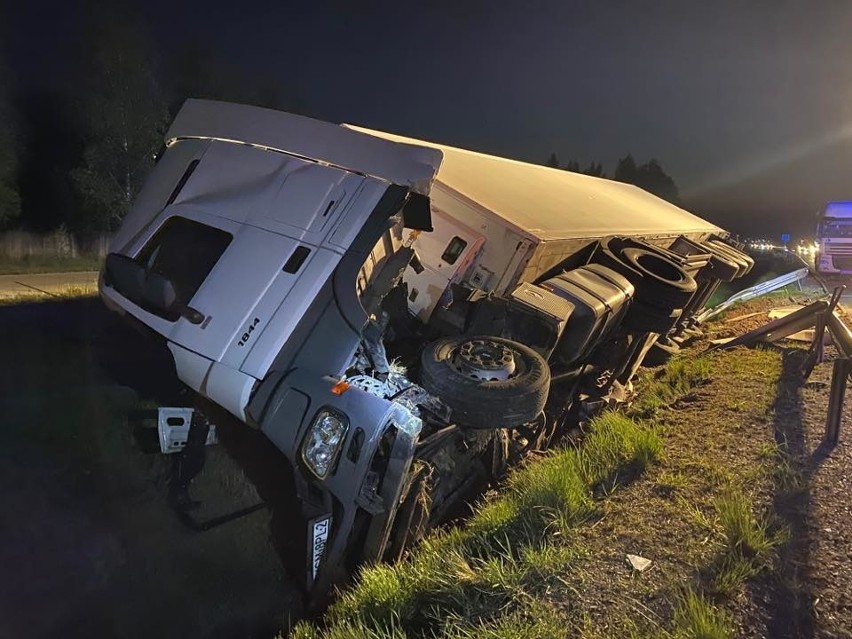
<point>319,537</point>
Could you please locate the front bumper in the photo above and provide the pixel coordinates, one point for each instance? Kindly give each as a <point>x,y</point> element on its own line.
<point>361,494</point>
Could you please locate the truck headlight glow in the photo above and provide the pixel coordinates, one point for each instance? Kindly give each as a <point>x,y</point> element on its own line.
<point>324,440</point>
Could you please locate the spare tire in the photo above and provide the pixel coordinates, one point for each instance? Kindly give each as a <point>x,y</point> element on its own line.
<point>488,382</point>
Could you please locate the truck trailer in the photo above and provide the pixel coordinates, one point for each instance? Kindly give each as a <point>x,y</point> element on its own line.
<point>402,319</point>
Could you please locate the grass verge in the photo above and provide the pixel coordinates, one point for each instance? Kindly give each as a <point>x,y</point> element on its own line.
<point>669,383</point>
<point>484,579</point>
<point>48,264</point>
<point>66,293</point>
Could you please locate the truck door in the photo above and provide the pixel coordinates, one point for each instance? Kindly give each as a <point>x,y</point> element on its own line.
<point>446,254</point>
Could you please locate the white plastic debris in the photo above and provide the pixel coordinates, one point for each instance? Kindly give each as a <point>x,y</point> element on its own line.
<point>173,428</point>
<point>639,564</point>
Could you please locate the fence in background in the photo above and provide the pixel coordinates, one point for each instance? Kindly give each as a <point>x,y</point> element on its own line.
<point>19,244</point>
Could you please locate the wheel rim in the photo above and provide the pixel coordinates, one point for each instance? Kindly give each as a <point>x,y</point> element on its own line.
<point>485,360</point>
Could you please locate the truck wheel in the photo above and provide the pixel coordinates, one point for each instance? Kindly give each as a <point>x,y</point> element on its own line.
<point>488,382</point>
<point>735,255</point>
<point>644,318</point>
<point>657,279</point>
<point>723,267</point>
<point>661,352</point>
<point>663,281</point>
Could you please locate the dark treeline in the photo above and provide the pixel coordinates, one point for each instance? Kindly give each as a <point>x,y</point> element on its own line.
<point>649,176</point>
<point>74,153</point>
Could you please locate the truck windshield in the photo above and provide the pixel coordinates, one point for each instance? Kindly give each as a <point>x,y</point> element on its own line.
<point>184,252</point>
<point>835,228</point>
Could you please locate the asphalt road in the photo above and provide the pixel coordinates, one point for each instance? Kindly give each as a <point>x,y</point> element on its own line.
<point>41,284</point>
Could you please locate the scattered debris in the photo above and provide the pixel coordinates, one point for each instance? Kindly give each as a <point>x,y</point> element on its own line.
<point>806,335</point>
<point>798,320</point>
<point>639,564</point>
<point>742,317</point>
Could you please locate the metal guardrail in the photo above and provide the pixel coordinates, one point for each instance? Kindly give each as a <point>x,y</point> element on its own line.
<point>819,314</point>
<point>755,291</point>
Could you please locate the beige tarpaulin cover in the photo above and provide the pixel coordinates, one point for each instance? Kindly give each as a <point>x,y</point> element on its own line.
<point>554,204</point>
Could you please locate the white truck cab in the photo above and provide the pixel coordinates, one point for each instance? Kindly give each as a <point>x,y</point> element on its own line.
<point>834,238</point>
<point>249,233</point>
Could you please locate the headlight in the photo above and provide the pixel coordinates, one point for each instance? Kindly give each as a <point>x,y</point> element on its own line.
<point>324,440</point>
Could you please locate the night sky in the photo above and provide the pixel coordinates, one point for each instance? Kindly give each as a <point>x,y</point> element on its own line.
<point>747,104</point>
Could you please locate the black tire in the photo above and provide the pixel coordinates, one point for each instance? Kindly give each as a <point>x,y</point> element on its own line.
<point>722,267</point>
<point>657,279</point>
<point>666,282</point>
<point>661,352</point>
<point>737,256</point>
<point>644,318</point>
<point>477,403</point>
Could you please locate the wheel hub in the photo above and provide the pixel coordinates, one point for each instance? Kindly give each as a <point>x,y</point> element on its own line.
<point>485,360</point>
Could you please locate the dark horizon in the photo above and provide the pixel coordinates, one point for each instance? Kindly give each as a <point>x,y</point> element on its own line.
<point>747,106</point>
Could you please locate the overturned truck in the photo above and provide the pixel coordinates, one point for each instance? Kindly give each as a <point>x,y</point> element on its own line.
<point>401,319</point>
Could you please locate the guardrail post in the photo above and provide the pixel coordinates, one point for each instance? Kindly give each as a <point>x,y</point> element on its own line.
<point>839,374</point>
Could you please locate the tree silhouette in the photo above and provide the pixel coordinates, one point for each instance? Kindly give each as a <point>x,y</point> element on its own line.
<point>649,176</point>
<point>625,170</point>
<point>124,117</point>
<point>10,199</point>
<point>552,161</point>
<point>595,170</point>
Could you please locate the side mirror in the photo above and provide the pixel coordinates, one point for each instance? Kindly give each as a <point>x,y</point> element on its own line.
<point>125,275</point>
<point>160,294</point>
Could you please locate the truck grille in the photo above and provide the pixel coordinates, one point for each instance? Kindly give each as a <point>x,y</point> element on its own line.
<point>838,249</point>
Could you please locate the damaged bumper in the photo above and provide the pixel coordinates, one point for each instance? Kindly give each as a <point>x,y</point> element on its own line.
<point>348,505</point>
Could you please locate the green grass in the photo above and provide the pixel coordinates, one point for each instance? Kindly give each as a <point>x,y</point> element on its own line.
<point>668,384</point>
<point>69,292</point>
<point>477,580</point>
<point>788,479</point>
<point>48,264</point>
<point>750,543</point>
<point>697,618</point>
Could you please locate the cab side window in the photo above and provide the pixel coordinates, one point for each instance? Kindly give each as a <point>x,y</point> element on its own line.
<point>184,252</point>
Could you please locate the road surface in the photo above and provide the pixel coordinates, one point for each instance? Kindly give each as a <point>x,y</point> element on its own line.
<point>45,284</point>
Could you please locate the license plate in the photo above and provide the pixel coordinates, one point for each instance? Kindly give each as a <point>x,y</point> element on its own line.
<point>319,538</point>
